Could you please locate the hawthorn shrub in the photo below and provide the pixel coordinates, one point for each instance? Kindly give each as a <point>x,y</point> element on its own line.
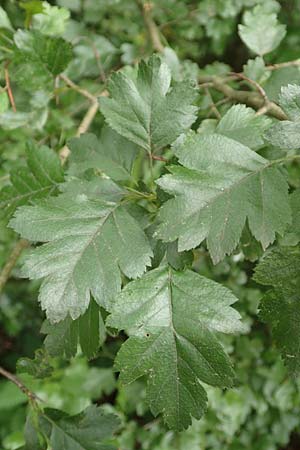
<point>150,225</point>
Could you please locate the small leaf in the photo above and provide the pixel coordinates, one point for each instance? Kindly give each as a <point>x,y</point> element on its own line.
<point>243,125</point>
<point>37,59</point>
<point>253,32</point>
<point>39,179</point>
<point>39,367</point>
<point>145,110</point>
<point>172,319</point>
<point>289,100</point>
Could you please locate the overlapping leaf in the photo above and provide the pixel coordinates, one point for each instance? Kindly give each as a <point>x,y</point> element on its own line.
<point>92,429</point>
<point>172,318</point>
<point>39,179</point>
<point>88,331</point>
<point>280,307</point>
<point>111,154</point>
<point>145,110</point>
<point>88,243</point>
<point>222,184</point>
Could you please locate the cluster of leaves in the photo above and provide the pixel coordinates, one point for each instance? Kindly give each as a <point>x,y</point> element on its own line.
<point>119,231</point>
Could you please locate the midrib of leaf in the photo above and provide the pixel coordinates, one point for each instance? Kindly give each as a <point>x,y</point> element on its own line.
<point>170,303</point>
<point>90,242</point>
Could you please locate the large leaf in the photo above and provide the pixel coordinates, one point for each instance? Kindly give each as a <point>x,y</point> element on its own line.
<point>172,319</point>
<point>222,184</point>
<point>90,430</point>
<point>39,179</point>
<point>253,32</point>
<point>111,154</point>
<point>145,110</point>
<point>89,242</point>
<point>280,307</point>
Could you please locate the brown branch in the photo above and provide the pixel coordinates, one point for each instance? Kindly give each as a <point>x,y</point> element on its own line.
<point>8,88</point>
<point>11,262</point>
<point>253,99</point>
<point>31,395</point>
<point>77,88</point>
<point>295,63</point>
<point>153,31</point>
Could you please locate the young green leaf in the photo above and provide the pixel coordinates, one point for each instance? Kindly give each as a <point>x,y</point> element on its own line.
<point>88,331</point>
<point>222,184</point>
<point>172,319</point>
<point>39,179</point>
<point>253,32</point>
<point>280,307</point>
<point>145,110</point>
<point>88,243</point>
<point>243,125</point>
<point>289,100</point>
<point>92,429</point>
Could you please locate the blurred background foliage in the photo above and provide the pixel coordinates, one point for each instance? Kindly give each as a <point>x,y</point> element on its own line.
<point>263,411</point>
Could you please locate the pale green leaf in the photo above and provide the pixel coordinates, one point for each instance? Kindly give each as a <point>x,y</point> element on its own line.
<point>172,319</point>
<point>222,184</point>
<point>4,20</point>
<point>243,125</point>
<point>52,21</point>
<point>284,134</point>
<point>261,31</point>
<point>87,246</point>
<point>289,100</point>
<point>145,110</point>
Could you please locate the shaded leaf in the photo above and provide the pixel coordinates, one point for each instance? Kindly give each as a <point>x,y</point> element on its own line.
<point>172,318</point>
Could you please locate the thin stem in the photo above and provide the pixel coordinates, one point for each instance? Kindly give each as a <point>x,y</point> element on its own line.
<point>31,395</point>
<point>11,262</point>
<point>9,90</point>
<point>153,31</point>
<point>295,63</point>
<point>77,88</point>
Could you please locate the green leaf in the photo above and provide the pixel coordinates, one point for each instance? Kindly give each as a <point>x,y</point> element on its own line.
<point>88,331</point>
<point>87,246</point>
<point>92,429</point>
<point>222,184</point>
<point>52,20</point>
<point>145,110</point>
<point>289,100</point>
<point>243,125</point>
<point>111,154</point>
<point>280,307</point>
<point>292,235</point>
<point>4,20</point>
<point>39,367</point>
<point>284,134</point>
<point>255,69</point>
<point>172,319</point>
<point>253,32</point>
<point>40,178</point>
<point>37,59</point>
<point>31,8</point>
